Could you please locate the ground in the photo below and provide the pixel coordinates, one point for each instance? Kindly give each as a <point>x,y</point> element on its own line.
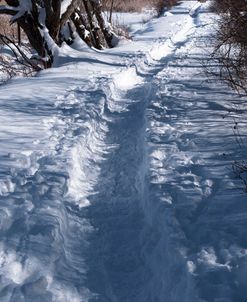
<point>115,173</point>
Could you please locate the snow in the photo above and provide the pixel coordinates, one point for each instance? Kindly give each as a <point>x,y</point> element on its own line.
<point>195,10</point>
<point>115,173</point>
<point>25,6</point>
<point>64,6</point>
<point>127,79</point>
<point>132,21</point>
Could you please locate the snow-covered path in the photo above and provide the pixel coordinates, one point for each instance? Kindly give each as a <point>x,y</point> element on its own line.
<point>114,175</point>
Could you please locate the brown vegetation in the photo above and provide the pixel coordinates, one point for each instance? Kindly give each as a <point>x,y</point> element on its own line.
<point>230,48</point>
<point>6,28</point>
<point>138,5</point>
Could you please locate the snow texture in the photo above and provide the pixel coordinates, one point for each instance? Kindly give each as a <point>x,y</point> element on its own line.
<point>115,173</point>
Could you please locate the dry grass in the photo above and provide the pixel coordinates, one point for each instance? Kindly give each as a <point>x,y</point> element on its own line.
<point>10,30</point>
<point>138,5</point>
<point>6,28</point>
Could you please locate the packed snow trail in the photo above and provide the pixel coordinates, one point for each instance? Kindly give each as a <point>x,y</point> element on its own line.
<point>114,174</point>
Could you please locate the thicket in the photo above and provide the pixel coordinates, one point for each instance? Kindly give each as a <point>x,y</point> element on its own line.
<point>230,48</point>
<point>137,5</point>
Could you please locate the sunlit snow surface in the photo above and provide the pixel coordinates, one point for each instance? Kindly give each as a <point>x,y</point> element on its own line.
<point>115,174</point>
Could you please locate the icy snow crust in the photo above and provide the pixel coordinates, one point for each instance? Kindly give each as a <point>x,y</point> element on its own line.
<point>114,174</point>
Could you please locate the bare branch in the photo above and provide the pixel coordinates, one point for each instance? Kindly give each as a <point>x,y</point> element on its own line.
<point>17,50</point>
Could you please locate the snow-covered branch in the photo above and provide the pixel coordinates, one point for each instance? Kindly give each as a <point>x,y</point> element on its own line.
<point>8,10</point>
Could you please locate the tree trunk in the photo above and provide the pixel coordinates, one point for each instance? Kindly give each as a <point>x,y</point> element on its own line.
<point>108,35</point>
<point>111,10</point>
<point>80,25</point>
<point>93,29</point>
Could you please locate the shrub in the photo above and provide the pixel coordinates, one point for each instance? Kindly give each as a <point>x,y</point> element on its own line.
<point>230,48</point>
<point>138,5</point>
